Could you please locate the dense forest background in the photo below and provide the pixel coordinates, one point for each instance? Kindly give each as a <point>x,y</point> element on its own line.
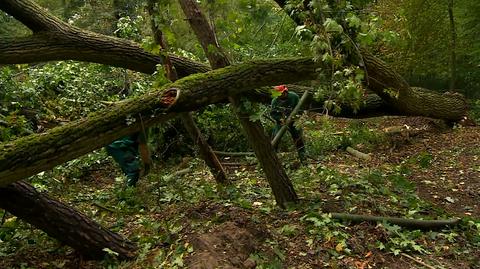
<point>418,167</point>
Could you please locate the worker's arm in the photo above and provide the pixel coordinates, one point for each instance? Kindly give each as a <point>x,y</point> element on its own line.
<point>276,112</point>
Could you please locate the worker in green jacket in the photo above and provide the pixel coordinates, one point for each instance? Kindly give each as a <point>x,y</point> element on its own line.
<point>126,152</point>
<point>282,107</point>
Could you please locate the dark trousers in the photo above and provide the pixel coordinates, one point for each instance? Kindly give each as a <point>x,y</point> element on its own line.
<point>127,157</point>
<point>296,136</point>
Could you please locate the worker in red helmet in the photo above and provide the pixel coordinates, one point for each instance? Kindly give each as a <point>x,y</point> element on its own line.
<point>282,107</point>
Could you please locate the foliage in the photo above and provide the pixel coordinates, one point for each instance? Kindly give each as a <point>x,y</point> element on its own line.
<point>10,28</point>
<point>48,94</point>
<point>423,42</point>
<point>219,124</point>
<point>324,137</point>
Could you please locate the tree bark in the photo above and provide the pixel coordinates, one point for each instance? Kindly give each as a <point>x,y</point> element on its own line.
<point>63,223</point>
<point>29,155</point>
<point>206,152</point>
<point>396,92</point>
<point>281,185</point>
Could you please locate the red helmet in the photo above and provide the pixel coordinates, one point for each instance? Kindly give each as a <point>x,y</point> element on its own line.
<point>281,88</point>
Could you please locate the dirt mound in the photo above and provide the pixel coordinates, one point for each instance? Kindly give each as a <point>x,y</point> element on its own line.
<point>227,246</point>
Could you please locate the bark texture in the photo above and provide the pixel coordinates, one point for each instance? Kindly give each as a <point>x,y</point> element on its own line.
<point>396,92</point>
<point>62,222</point>
<point>278,180</point>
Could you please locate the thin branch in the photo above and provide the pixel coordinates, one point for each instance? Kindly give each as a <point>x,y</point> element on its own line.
<point>417,261</point>
<point>407,223</point>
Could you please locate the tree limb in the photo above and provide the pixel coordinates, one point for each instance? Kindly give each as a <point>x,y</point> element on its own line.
<point>408,223</point>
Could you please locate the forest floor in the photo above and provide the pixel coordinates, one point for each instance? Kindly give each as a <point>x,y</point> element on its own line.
<point>418,169</point>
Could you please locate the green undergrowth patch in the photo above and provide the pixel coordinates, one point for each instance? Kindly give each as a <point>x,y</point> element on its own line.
<point>323,136</point>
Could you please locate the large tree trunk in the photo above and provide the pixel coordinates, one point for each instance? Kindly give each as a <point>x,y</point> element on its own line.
<point>396,92</point>
<point>62,222</point>
<point>206,152</point>
<point>35,153</point>
<point>277,177</point>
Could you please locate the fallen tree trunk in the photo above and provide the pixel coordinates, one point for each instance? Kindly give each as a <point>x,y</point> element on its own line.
<point>63,223</point>
<point>408,223</point>
<point>411,100</point>
<point>55,40</point>
<point>35,153</point>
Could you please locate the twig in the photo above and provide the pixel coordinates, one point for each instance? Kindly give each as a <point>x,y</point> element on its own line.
<point>238,164</point>
<point>279,30</point>
<point>103,207</point>
<point>234,154</point>
<point>417,261</point>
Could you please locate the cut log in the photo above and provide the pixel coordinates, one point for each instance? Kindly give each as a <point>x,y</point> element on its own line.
<point>63,223</point>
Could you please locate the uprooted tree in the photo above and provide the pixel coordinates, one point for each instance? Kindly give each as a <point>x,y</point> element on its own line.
<point>54,40</point>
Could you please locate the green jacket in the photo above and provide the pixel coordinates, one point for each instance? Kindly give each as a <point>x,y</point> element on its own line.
<point>281,108</point>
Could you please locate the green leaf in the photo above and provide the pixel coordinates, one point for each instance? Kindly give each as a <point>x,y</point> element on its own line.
<point>332,26</point>
<point>110,252</point>
<point>353,20</point>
